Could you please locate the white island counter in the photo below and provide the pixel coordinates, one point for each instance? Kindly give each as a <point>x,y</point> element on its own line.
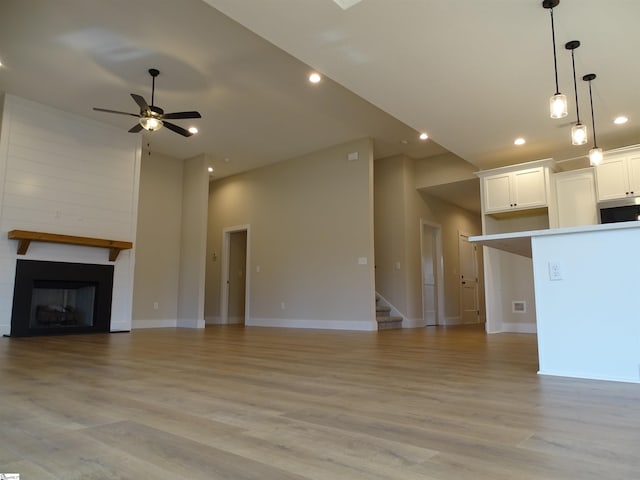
<point>587,297</point>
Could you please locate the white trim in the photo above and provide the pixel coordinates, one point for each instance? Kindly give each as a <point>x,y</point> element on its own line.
<point>190,323</point>
<point>154,323</point>
<point>224,274</point>
<point>413,323</point>
<point>519,328</point>
<point>363,325</point>
<point>589,377</point>
<point>439,264</point>
<point>453,321</point>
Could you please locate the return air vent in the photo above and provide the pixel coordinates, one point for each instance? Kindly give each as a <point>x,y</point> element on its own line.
<point>519,307</point>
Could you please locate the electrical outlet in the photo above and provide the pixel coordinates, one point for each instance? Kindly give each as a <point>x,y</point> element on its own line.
<point>555,271</point>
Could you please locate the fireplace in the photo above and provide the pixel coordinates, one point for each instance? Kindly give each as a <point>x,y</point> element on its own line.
<point>53,298</point>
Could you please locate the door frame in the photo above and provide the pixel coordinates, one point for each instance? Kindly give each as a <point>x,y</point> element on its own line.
<point>224,274</point>
<point>439,273</point>
<point>477,268</point>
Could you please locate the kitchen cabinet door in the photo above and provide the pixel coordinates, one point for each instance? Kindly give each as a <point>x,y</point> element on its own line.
<point>515,190</point>
<point>497,193</point>
<point>612,178</point>
<point>529,189</point>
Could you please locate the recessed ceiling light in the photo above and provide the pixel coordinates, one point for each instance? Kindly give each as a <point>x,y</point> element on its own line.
<point>227,160</point>
<point>519,141</point>
<point>620,120</point>
<point>404,142</point>
<point>210,169</point>
<point>423,136</point>
<point>315,77</point>
<point>193,129</point>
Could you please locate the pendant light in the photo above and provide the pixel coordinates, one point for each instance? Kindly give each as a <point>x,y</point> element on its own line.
<point>558,101</point>
<point>578,131</point>
<point>595,154</point>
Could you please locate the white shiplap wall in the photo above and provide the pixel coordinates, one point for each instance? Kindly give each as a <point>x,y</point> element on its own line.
<point>63,173</point>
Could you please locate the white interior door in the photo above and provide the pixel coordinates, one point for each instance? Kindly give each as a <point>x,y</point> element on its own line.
<point>469,308</point>
<point>430,273</point>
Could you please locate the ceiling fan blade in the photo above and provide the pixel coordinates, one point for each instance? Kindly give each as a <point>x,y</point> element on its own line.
<point>136,128</point>
<point>142,103</point>
<point>114,111</point>
<point>182,115</point>
<point>177,129</point>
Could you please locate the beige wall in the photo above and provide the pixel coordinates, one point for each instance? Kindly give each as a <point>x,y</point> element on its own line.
<point>442,169</point>
<point>399,210</point>
<point>193,242</point>
<point>158,242</point>
<point>310,219</point>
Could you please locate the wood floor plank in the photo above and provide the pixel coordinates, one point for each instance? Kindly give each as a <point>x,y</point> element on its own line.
<point>257,403</point>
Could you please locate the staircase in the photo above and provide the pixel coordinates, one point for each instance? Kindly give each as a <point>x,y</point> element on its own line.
<point>385,320</point>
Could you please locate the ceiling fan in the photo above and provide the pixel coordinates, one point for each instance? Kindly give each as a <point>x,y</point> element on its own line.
<point>151,117</point>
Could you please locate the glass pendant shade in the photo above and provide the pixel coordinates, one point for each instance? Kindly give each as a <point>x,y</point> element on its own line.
<point>595,156</point>
<point>151,123</point>
<point>558,106</point>
<point>579,134</point>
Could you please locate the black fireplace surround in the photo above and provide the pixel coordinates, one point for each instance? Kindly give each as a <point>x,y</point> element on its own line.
<point>54,298</point>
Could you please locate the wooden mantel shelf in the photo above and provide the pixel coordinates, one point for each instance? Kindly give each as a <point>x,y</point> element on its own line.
<point>25,238</point>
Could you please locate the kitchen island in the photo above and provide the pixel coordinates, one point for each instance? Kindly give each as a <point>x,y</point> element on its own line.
<point>587,300</point>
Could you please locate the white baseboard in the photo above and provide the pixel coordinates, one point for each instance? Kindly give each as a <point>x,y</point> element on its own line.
<point>5,329</point>
<point>453,321</point>
<point>218,321</point>
<point>190,323</point>
<point>413,323</point>
<point>364,325</point>
<point>154,323</point>
<point>588,377</point>
<point>519,328</point>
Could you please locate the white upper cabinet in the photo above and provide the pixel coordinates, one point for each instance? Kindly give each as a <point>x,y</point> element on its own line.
<point>517,189</point>
<point>575,198</point>
<point>618,176</point>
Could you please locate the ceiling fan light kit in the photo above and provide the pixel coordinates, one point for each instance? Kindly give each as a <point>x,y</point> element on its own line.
<point>152,117</point>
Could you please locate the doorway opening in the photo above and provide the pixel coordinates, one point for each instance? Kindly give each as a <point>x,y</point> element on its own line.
<point>432,274</point>
<point>234,295</point>
<point>469,299</point>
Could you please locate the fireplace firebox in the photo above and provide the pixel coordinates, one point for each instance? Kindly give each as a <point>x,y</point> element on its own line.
<point>53,298</point>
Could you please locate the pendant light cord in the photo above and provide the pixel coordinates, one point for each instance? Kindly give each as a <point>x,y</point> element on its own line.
<point>555,61</point>
<point>575,86</point>
<point>593,118</point>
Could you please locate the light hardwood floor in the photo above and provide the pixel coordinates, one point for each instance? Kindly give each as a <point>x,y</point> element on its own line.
<point>256,403</point>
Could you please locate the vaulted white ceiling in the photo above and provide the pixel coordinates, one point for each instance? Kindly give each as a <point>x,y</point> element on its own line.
<point>474,74</point>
